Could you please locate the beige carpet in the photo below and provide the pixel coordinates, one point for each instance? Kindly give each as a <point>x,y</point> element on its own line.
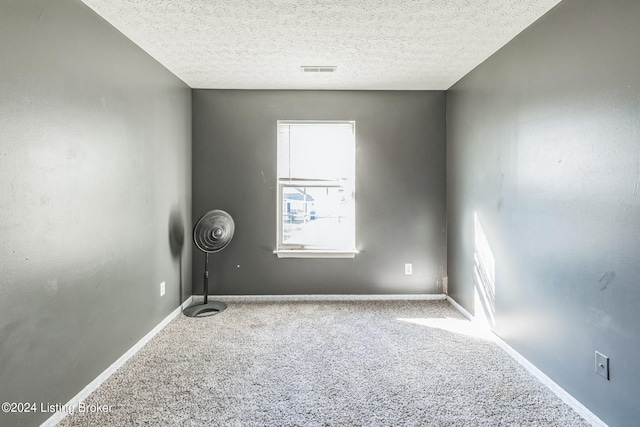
<point>383,363</point>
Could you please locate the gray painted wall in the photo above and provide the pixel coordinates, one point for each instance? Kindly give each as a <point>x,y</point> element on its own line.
<point>95,140</point>
<point>543,145</point>
<point>400,190</point>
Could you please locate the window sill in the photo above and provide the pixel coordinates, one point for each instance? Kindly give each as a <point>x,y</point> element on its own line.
<point>307,253</point>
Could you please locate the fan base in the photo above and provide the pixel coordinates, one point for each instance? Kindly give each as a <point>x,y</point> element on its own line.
<point>202,310</point>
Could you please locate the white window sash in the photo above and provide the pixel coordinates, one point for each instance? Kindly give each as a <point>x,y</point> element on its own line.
<point>297,250</point>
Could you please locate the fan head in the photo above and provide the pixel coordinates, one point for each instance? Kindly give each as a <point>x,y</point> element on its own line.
<point>213,231</point>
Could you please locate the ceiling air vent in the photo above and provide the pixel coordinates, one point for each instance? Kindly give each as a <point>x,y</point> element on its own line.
<point>318,68</point>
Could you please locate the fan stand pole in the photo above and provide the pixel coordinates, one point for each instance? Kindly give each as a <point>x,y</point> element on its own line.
<point>206,277</point>
<point>208,308</point>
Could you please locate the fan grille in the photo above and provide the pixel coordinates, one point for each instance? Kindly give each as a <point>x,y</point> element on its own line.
<point>213,231</point>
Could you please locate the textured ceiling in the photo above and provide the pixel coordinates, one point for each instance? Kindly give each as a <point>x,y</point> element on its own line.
<point>376,44</point>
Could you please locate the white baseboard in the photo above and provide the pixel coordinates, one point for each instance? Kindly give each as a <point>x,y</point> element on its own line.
<point>321,297</point>
<point>93,385</point>
<point>567,398</point>
<point>460,308</point>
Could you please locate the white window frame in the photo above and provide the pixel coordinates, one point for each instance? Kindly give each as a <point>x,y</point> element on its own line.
<point>295,251</point>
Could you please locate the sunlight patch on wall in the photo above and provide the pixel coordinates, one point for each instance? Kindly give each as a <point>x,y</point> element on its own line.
<point>484,276</point>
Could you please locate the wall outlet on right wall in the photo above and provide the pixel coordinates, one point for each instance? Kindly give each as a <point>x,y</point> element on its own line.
<point>602,365</point>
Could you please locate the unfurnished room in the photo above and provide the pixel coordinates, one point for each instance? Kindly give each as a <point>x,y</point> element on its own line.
<point>319,213</point>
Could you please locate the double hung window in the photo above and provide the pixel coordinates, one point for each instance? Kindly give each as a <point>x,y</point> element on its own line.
<point>316,189</point>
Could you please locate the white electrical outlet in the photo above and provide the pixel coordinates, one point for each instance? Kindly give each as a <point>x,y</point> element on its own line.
<point>162,289</point>
<point>408,269</point>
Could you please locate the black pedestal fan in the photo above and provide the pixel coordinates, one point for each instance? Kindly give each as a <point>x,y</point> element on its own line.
<point>212,233</point>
